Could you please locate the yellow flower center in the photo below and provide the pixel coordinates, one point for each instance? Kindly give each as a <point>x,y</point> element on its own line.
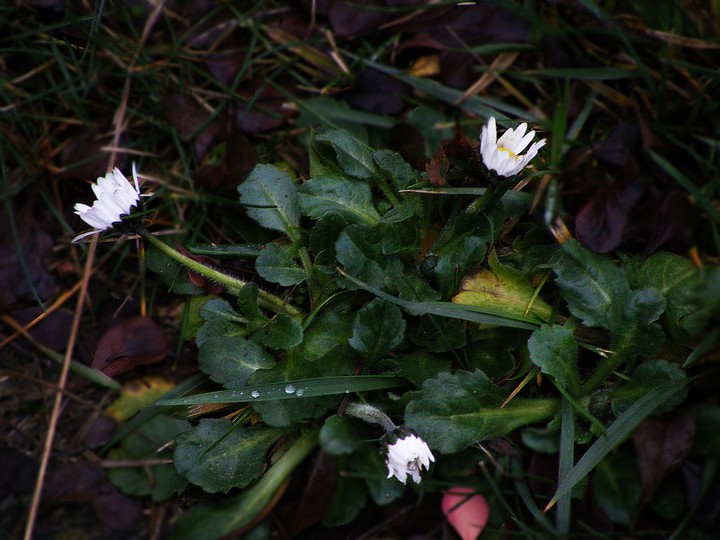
<point>509,152</point>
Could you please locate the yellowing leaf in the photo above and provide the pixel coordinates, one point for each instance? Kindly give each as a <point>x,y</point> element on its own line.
<point>137,394</point>
<point>425,66</point>
<point>504,291</point>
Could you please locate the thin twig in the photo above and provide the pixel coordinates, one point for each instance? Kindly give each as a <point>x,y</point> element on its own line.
<point>55,414</point>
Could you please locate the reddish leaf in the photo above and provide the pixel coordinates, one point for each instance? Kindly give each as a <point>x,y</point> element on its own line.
<point>315,499</point>
<point>225,66</point>
<point>466,511</point>
<point>662,444</point>
<point>75,482</point>
<point>265,108</point>
<point>200,281</point>
<point>18,472</point>
<point>130,343</point>
<point>378,93</point>
<point>99,432</point>
<point>600,225</point>
<point>350,19</point>
<point>188,117</point>
<point>36,251</point>
<point>117,511</point>
<point>52,331</point>
<point>84,158</point>
<point>437,168</point>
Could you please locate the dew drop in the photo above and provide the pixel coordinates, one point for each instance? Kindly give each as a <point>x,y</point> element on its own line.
<point>289,389</point>
<point>255,393</point>
<point>347,391</point>
<point>299,392</point>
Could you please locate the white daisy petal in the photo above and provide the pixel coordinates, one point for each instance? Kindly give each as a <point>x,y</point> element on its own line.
<point>408,455</point>
<point>115,196</point>
<point>504,155</point>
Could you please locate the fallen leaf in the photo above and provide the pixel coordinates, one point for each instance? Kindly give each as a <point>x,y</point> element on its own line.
<point>378,93</point>
<point>137,394</point>
<point>264,110</point>
<point>75,482</point>
<point>466,511</point>
<point>130,343</point>
<point>662,444</point>
<point>600,225</point>
<point>117,511</point>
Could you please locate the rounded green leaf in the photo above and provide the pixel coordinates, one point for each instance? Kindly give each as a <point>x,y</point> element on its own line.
<point>217,456</point>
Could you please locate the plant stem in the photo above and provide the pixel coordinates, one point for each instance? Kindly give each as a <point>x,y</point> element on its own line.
<point>266,300</point>
<point>602,372</point>
<point>371,414</point>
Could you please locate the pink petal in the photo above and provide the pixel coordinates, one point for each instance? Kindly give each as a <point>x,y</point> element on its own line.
<point>467,512</point>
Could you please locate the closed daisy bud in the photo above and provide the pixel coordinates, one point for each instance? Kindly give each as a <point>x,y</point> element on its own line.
<point>115,196</point>
<point>504,155</point>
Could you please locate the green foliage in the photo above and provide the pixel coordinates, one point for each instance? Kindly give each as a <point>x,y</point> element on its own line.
<point>647,376</point>
<point>271,199</point>
<point>598,293</point>
<point>275,264</point>
<point>554,350</point>
<point>231,360</point>
<point>378,328</point>
<point>452,411</point>
<point>163,480</point>
<point>217,456</point>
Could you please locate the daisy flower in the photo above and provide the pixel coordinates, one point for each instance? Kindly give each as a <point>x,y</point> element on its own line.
<point>407,456</point>
<point>504,155</point>
<point>115,196</point>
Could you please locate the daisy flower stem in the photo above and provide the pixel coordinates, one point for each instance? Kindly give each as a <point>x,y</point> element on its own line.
<point>490,198</point>
<point>266,300</point>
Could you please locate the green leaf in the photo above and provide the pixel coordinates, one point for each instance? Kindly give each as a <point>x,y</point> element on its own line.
<point>369,464</point>
<point>247,300</point>
<point>595,289</point>
<point>295,390</point>
<point>617,433</point>
<point>339,436</point>
<point>355,157</point>
<point>174,274</point>
<point>323,238</point>
<point>277,266</point>
<point>692,295</point>
<point>453,411</point>
<point>646,377</point>
<point>379,327</point>
<point>143,443</point>
<point>617,487</point>
<point>455,257</point>
<point>350,199</point>
<point>359,252</point>
<point>348,499</point>
<point>400,173</point>
<point>217,455</point>
<point>270,197</point>
<point>281,332</point>
<point>419,366</point>
<point>598,292</point>
<point>219,309</point>
<point>231,360</point>
<point>438,334</point>
<point>707,430</point>
<point>218,518</point>
<point>554,350</point>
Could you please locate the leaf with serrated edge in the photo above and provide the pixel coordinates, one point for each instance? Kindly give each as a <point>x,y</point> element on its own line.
<point>452,411</point>
<point>350,199</point>
<point>270,197</point>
